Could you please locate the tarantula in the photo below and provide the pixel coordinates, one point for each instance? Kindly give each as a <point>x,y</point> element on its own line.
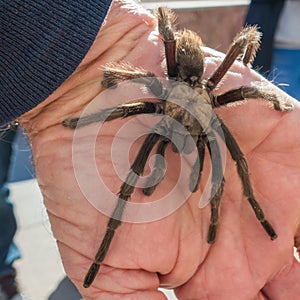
<point>188,100</point>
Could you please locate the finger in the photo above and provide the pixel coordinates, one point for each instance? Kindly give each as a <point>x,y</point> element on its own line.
<point>216,280</point>
<point>110,283</point>
<point>286,284</point>
<point>137,295</point>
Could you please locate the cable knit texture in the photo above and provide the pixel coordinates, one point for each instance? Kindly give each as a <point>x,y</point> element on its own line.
<point>42,43</point>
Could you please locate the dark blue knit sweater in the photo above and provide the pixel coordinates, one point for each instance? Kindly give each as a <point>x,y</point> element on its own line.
<point>42,43</point>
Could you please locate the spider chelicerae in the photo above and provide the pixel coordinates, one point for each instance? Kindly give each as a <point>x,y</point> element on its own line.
<point>188,100</point>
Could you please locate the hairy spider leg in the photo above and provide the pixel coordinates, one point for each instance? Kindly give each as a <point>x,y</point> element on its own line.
<point>159,168</point>
<point>197,168</point>
<point>217,181</point>
<point>112,113</point>
<point>242,168</point>
<point>253,44</point>
<point>126,190</point>
<point>248,36</point>
<point>115,73</point>
<point>245,92</point>
<point>166,27</point>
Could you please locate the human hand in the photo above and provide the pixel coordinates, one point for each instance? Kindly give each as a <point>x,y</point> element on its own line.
<point>173,251</point>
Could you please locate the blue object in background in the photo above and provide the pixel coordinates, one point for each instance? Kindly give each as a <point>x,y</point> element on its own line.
<point>286,70</point>
<point>21,165</point>
<point>8,225</point>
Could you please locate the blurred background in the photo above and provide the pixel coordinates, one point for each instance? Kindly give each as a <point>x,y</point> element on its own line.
<point>217,22</point>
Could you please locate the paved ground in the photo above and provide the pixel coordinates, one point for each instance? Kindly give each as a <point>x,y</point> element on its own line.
<point>39,270</point>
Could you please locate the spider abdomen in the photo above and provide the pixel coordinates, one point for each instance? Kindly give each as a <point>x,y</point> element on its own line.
<point>190,108</point>
<point>188,115</point>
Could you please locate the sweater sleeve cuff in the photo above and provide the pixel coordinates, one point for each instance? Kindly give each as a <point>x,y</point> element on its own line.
<point>42,43</point>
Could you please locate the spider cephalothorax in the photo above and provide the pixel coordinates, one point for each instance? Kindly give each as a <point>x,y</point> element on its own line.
<point>188,100</point>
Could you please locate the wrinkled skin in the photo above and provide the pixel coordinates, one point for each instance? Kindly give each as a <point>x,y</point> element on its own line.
<point>172,252</point>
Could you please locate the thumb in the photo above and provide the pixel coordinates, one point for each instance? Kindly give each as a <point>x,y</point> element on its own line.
<point>286,284</point>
